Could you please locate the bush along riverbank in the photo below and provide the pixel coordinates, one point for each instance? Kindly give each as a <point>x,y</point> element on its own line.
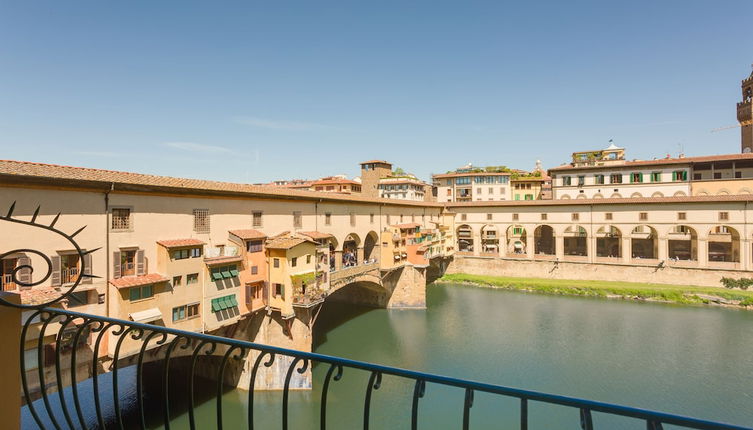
<point>683,294</point>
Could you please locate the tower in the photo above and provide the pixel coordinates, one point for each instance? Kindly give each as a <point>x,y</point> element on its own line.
<point>371,172</point>
<point>745,115</point>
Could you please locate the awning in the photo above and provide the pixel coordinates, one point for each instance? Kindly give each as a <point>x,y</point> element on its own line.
<point>147,316</point>
<point>518,245</point>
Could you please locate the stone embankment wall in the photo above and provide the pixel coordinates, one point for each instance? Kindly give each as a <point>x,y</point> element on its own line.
<point>590,271</point>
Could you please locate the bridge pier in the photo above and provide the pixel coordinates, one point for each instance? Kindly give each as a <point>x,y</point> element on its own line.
<point>406,287</point>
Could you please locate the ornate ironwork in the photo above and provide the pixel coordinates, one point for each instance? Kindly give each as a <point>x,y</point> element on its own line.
<point>197,346</point>
<point>66,292</point>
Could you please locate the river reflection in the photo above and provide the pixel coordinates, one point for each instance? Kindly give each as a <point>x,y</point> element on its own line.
<point>688,360</point>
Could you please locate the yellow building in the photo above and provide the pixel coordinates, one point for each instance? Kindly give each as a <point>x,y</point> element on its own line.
<point>292,272</point>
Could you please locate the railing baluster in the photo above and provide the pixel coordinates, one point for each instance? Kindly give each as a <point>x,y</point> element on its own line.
<point>166,376</point>
<point>95,372</point>
<point>59,372</point>
<point>220,381</point>
<point>251,383</point>
<point>139,375</point>
<point>74,383</point>
<point>123,334</point>
<point>325,388</point>
<point>24,382</point>
<point>375,381</point>
<point>418,392</point>
<point>586,422</point>
<point>523,414</point>
<point>41,366</point>
<point>468,404</point>
<point>286,388</point>
<point>653,425</point>
<point>194,356</point>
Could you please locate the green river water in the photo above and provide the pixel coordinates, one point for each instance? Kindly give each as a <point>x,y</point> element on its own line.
<point>695,361</point>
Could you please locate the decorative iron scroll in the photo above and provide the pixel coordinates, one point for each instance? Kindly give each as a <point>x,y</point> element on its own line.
<point>68,290</point>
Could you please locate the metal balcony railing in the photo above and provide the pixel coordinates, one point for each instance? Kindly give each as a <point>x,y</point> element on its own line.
<point>198,345</point>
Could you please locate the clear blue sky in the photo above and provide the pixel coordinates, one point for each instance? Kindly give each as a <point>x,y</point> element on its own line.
<point>254,92</point>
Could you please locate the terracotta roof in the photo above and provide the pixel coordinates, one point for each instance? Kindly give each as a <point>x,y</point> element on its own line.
<point>375,161</point>
<point>177,243</point>
<point>316,235</point>
<point>334,181</point>
<point>661,161</point>
<point>530,179</point>
<point>38,296</point>
<point>135,281</point>
<point>28,172</point>
<point>406,226</point>
<point>287,242</point>
<point>249,234</point>
<point>211,261</point>
<point>586,202</point>
<point>454,174</point>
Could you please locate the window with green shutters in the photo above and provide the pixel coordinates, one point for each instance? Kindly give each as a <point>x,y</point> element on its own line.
<point>138,293</point>
<point>224,302</point>
<point>636,177</point>
<point>224,272</point>
<point>179,313</point>
<point>529,196</point>
<point>655,176</point>
<point>679,175</point>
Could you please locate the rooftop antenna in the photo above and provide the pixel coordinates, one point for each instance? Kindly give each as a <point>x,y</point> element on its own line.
<point>681,149</point>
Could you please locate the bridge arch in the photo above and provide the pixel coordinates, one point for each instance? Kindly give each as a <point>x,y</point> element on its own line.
<point>644,243</point>
<point>517,240</point>
<point>371,247</point>
<point>608,242</point>
<point>724,244</point>
<point>576,241</point>
<point>490,239</point>
<point>351,248</point>
<point>682,243</point>
<point>543,240</point>
<point>464,233</point>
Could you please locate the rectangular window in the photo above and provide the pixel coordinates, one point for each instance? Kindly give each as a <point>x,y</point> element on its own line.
<point>515,217</point>
<point>297,221</point>
<point>201,220</point>
<point>177,280</point>
<point>478,190</point>
<point>121,219</point>
<point>529,197</point>
<point>643,216</point>
<point>195,252</point>
<point>581,180</point>
<point>294,261</point>
<point>517,230</point>
<point>636,177</point>
<point>192,278</point>
<point>680,175</point>
<point>279,290</point>
<point>463,217</point>
<point>543,217</point>
<point>327,218</point>
<point>575,217</point>
<point>276,262</point>
<point>371,218</point>
<point>179,313</point>
<point>254,245</point>
<point>353,219</point>
<point>697,176</point>
<point>257,218</point>
<point>254,270</point>
<point>138,293</point>
<point>655,176</point>
<point>615,178</point>
<point>180,254</point>
<point>491,190</point>
<point>308,258</point>
<point>488,217</point>
<point>193,310</point>
<point>723,216</point>
<point>682,216</point>
<point>608,216</point>
<point>567,180</point>
<point>738,175</point>
<point>717,175</point>
<point>599,179</point>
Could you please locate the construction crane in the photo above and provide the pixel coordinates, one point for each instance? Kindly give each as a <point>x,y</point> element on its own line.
<point>726,128</point>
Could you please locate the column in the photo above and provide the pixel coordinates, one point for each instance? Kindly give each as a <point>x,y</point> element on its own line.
<point>10,362</point>
<point>703,253</point>
<point>591,248</point>
<point>745,253</point>
<point>359,255</point>
<point>626,251</point>
<point>338,260</point>
<point>559,246</point>
<point>663,248</point>
<point>476,242</point>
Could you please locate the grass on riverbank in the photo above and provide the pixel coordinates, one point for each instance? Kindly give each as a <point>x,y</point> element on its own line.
<point>686,294</point>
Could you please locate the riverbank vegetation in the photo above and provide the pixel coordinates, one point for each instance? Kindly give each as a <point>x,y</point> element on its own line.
<point>684,294</point>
